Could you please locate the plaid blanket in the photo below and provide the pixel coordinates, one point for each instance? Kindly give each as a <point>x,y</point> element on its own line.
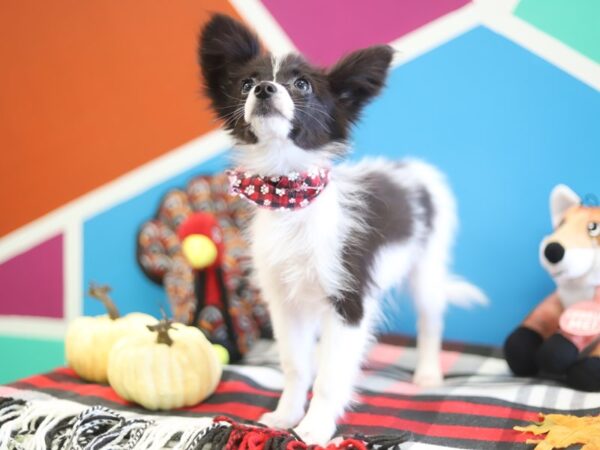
<point>476,408</point>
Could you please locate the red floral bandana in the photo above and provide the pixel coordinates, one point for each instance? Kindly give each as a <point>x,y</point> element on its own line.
<point>292,191</point>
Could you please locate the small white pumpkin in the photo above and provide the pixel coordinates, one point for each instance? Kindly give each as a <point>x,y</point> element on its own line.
<point>89,339</point>
<point>170,366</point>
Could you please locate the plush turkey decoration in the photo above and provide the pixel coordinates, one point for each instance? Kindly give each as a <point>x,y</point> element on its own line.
<point>202,245</point>
<point>195,299</point>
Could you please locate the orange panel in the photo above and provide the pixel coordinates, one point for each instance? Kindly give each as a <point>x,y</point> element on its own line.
<point>90,90</point>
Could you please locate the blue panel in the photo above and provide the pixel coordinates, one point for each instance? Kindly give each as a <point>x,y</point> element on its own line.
<point>505,126</point>
<point>110,247</point>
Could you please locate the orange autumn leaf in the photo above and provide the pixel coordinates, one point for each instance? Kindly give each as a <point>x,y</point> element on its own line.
<point>561,431</point>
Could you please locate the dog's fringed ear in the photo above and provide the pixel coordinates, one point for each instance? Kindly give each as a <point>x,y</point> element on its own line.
<point>224,44</point>
<point>359,76</point>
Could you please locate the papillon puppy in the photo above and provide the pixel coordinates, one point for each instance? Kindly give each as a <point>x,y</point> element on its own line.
<point>328,240</point>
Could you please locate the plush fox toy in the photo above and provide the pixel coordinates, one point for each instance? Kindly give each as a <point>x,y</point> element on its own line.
<point>561,336</point>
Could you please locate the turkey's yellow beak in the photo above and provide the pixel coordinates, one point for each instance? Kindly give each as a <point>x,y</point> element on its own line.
<point>199,250</point>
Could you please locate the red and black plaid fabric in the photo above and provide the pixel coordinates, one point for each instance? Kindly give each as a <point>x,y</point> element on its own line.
<point>477,407</point>
<point>453,422</point>
<point>292,191</point>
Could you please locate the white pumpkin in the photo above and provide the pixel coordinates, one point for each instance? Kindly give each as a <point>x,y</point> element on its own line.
<point>170,366</point>
<point>89,339</point>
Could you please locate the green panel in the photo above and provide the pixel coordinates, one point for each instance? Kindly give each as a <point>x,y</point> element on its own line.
<point>21,357</point>
<point>574,22</point>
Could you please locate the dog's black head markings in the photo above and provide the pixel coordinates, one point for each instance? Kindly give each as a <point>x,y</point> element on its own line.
<point>257,95</point>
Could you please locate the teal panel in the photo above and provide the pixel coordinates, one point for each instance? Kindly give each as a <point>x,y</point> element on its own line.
<point>574,22</point>
<point>23,357</point>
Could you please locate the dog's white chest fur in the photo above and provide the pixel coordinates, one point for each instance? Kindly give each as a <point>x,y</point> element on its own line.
<point>297,251</point>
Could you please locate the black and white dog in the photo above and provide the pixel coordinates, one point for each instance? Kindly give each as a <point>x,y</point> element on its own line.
<point>328,240</point>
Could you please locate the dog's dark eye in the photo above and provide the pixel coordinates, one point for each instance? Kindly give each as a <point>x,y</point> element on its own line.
<point>594,229</point>
<point>302,84</point>
<point>247,84</point>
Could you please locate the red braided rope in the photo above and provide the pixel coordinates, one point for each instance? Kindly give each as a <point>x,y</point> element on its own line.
<point>254,437</point>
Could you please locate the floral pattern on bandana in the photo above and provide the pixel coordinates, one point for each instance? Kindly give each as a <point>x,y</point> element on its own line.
<point>295,190</point>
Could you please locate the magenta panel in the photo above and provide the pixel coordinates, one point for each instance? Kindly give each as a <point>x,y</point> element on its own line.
<point>324,30</point>
<point>31,284</point>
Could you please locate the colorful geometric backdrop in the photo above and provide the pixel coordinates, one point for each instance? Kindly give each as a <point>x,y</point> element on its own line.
<point>101,112</point>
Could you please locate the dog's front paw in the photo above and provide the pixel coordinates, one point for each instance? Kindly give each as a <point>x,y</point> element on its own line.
<point>428,377</point>
<point>277,420</point>
<point>316,432</point>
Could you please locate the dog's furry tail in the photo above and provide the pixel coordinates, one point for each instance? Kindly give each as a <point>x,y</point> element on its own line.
<point>461,293</point>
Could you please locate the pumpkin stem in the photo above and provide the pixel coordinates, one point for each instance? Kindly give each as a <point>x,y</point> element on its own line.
<point>162,328</point>
<point>101,293</point>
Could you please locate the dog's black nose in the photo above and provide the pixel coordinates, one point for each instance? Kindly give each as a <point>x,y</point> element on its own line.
<point>554,252</point>
<point>264,89</point>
